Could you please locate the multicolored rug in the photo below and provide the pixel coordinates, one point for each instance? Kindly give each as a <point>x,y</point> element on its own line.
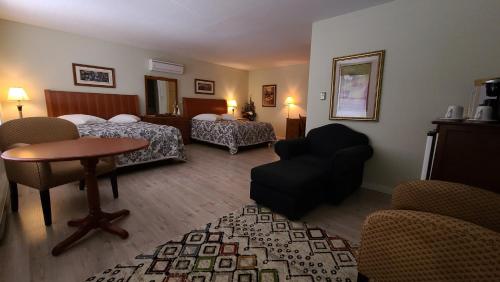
<point>251,245</point>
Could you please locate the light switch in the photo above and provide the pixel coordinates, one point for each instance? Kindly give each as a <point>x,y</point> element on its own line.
<point>322,95</point>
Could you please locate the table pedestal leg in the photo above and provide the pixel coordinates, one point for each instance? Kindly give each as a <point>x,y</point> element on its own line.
<point>96,218</point>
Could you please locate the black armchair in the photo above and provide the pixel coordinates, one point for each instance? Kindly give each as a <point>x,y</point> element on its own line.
<point>325,166</point>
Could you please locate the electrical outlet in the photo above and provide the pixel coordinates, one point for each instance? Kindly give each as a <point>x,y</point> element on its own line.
<point>322,95</point>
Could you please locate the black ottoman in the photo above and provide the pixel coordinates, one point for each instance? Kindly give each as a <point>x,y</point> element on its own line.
<point>288,187</point>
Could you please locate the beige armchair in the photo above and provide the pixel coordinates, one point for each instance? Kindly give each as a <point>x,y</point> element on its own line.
<point>437,231</point>
<point>45,175</point>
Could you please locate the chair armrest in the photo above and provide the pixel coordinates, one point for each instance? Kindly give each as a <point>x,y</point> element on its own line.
<point>456,200</point>
<point>397,245</point>
<point>350,157</point>
<point>287,149</point>
<point>110,160</point>
<point>17,145</point>
<point>33,174</point>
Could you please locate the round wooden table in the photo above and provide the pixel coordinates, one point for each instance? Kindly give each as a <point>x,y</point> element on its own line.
<point>88,151</point>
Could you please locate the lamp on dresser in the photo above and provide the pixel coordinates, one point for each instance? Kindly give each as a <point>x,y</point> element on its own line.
<point>18,94</point>
<point>231,104</point>
<point>289,103</point>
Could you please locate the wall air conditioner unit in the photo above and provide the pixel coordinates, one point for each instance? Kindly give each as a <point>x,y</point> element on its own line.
<point>162,66</point>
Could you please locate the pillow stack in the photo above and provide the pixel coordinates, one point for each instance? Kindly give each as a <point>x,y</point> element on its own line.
<point>79,119</point>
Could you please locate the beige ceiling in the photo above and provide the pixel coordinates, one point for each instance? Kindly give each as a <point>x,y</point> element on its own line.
<point>245,34</point>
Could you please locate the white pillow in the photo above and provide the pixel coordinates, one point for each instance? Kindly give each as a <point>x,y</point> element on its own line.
<point>124,118</point>
<point>82,119</point>
<point>228,117</point>
<point>208,117</point>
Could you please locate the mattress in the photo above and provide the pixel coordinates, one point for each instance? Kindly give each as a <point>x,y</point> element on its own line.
<point>165,142</point>
<point>232,133</point>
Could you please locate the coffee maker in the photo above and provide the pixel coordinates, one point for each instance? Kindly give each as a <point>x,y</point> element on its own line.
<point>493,96</point>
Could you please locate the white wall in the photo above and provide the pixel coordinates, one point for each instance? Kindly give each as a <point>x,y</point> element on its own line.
<point>38,58</point>
<point>291,81</point>
<point>435,50</point>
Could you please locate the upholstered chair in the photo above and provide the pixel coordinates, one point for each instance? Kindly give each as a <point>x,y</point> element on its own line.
<point>436,231</point>
<point>324,167</point>
<point>45,175</point>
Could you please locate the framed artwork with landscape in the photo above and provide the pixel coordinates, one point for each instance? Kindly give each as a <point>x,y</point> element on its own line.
<point>269,95</point>
<point>356,86</point>
<point>202,86</point>
<point>95,76</point>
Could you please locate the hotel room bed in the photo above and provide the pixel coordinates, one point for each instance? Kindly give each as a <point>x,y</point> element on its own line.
<point>165,141</point>
<point>230,133</point>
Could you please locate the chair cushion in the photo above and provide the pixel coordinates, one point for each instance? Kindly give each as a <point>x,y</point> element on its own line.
<point>69,171</point>
<point>296,176</point>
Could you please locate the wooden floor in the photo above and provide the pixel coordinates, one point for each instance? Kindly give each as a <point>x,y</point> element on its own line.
<point>164,201</point>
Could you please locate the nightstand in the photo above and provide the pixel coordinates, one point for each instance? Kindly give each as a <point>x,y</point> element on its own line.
<point>295,127</point>
<point>182,123</point>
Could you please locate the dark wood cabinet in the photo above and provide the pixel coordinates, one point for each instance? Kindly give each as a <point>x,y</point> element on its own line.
<point>295,127</point>
<point>292,128</point>
<point>182,123</point>
<point>468,153</point>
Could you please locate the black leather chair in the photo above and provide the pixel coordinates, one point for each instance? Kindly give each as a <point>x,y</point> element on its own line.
<point>325,166</point>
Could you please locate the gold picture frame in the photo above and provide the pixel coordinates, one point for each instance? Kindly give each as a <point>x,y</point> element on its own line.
<point>356,86</point>
<point>269,95</point>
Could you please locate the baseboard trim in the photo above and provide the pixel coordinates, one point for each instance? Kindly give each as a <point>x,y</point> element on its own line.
<point>378,187</point>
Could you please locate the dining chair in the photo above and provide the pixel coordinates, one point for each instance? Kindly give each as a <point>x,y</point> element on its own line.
<point>45,175</point>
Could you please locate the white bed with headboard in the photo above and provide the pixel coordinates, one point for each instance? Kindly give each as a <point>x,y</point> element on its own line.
<point>165,142</point>
<point>230,133</point>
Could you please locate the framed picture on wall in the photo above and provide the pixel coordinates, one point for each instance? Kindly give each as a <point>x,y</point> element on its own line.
<point>202,86</point>
<point>269,95</point>
<point>356,86</point>
<point>95,76</point>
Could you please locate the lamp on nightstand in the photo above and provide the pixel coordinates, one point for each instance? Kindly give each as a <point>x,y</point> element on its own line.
<point>232,104</point>
<point>18,94</point>
<point>288,102</point>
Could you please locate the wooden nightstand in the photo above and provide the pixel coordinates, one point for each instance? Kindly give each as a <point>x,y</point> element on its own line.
<point>182,123</point>
<point>295,127</point>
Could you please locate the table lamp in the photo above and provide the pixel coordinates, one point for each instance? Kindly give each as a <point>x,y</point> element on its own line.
<point>289,102</point>
<point>18,94</point>
<point>232,104</point>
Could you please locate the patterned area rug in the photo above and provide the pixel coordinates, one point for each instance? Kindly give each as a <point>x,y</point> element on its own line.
<point>252,245</point>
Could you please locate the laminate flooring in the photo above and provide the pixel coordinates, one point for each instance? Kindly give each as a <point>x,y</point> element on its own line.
<point>165,200</point>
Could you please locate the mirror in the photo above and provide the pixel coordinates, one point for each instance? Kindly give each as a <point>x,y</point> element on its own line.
<point>161,95</point>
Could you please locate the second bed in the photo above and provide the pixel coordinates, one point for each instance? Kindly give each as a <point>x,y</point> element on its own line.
<point>230,133</point>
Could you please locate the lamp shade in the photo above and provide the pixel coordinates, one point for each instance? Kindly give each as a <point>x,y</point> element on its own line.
<point>289,101</point>
<point>17,94</point>
<point>232,104</point>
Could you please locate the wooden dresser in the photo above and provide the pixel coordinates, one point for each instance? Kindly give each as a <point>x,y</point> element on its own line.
<point>468,153</point>
<point>295,127</point>
<point>182,123</point>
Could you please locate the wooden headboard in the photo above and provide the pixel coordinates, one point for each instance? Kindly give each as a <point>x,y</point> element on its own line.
<point>102,105</point>
<point>195,106</point>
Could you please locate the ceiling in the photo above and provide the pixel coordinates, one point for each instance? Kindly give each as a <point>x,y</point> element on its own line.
<point>245,34</point>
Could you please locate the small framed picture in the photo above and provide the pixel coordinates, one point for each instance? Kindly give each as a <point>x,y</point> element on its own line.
<point>269,95</point>
<point>357,86</point>
<point>202,86</point>
<point>95,76</point>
